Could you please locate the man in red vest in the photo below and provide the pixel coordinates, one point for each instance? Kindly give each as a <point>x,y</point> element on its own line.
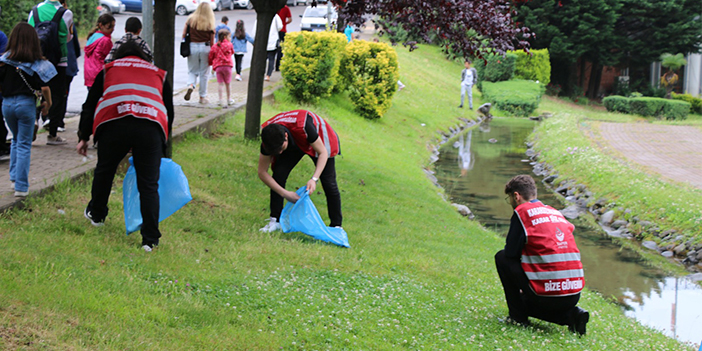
<point>129,107</point>
<point>286,138</point>
<point>540,267</point>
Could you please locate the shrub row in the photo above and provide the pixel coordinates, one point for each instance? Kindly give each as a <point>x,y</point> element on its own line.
<point>648,106</point>
<point>317,64</point>
<point>536,66</point>
<point>495,68</point>
<point>518,97</point>
<point>696,103</point>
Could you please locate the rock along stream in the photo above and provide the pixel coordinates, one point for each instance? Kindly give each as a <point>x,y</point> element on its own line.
<point>473,168</point>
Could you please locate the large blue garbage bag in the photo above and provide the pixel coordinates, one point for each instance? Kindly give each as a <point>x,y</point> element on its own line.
<point>173,191</point>
<point>302,216</point>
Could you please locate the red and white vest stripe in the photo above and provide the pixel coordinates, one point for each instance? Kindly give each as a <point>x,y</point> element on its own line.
<point>294,121</point>
<point>550,258</point>
<point>133,87</point>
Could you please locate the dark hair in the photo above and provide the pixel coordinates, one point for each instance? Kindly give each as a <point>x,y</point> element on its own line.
<point>223,34</point>
<point>273,137</point>
<point>130,48</point>
<point>132,25</point>
<point>225,19</point>
<point>23,44</point>
<point>104,19</point>
<point>523,184</point>
<point>240,32</point>
<point>469,61</point>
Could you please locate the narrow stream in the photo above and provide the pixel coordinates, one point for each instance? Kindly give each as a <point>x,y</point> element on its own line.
<point>473,169</point>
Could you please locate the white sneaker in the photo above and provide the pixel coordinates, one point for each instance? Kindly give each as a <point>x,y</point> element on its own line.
<point>60,129</point>
<point>231,102</point>
<point>147,248</point>
<point>272,226</point>
<point>238,77</point>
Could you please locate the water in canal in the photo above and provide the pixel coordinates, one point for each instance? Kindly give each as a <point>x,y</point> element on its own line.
<point>473,168</point>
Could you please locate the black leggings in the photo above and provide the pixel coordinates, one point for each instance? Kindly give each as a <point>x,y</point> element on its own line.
<point>523,304</point>
<point>238,58</point>
<point>285,162</point>
<point>271,62</point>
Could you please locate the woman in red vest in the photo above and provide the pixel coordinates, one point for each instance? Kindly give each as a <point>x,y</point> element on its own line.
<point>286,138</point>
<point>540,267</point>
<point>129,107</point>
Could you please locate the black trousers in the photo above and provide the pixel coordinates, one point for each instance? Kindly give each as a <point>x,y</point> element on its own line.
<point>237,59</point>
<point>270,56</point>
<point>285,162</point>
<point>57,111</point>
<point>69,80</point>
<point>146,141</point>
<point>523,303</point>
<point>279,54</point>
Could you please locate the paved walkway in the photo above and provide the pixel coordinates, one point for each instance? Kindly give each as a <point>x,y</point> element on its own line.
<point>674,152</point>
<point>51,165</point>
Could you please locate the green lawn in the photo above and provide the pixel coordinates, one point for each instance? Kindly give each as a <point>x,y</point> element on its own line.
<point>417,275</point>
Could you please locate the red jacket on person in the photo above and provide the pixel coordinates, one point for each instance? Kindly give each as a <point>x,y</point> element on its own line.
<point>221,55</point>
<point>550,258</point>
<point>294,121</point>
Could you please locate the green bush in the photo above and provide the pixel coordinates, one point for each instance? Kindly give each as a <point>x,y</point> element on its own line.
<point>495,68</point>
<point>657,107</point>
<point>536,66</point>
<point>696,103</point>
<point>310,65</point>
<point>519,97</point>
<point>84,13</point>
<point>616,103</point>
<point>370,73</point>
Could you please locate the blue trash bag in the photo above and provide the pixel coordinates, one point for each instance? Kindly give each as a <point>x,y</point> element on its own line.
<point>173,191</point>
<point>302,216</point>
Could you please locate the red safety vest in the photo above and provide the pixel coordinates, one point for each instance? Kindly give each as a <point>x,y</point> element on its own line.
<point>133,87</point>
<point>294,121</point>
<point>550,258</point>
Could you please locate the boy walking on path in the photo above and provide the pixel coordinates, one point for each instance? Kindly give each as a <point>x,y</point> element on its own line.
<point>469,76</point>
<point>132,29</point>
<point>223,25</point>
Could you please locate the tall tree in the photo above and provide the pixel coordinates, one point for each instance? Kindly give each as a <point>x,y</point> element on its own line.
<point>492,20</point>
<point>573,30</point>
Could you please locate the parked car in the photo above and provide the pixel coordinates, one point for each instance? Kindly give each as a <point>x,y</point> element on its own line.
<point>315,18</point>
<point>183,7</point>
<point>219,5</point>
<point>111,6</point>
<point>297,2</point>
<point>243,4</point>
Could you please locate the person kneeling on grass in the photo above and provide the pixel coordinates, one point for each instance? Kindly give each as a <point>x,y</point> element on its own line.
<point>286,138</point>
<point>540,267</point>
<point>129,107</point>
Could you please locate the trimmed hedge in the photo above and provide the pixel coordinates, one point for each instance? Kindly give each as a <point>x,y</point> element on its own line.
<point>519,97</point>
<point>696,103</point>
<point>495,68</point>
<point>536,66</point>
<point>370,73</point>
<point>310,64</point>
<point>616,103</point>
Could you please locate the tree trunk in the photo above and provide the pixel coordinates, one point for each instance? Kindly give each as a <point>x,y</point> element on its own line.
<point>164,27</point>
<point>265,12</point>
<point>595,80</point>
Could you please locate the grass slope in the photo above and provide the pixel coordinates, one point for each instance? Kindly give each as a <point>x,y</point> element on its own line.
<point>417,275</point>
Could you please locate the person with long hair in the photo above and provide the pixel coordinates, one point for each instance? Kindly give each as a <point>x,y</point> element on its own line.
<point>239,40</point>
<point>98,46</point>
<point>23,74</point>
<point>201,25</point>
<point>129,107</point>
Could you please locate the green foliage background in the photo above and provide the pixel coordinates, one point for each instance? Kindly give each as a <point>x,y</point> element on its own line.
<point>536,66</point>
<point>495,68</point>
<point>84,13</point>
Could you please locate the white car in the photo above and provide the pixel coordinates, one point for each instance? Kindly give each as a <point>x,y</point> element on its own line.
<point>111,6</point>
<point>242,4</point>
<point>184,7</point>
<point>296,2</point>
<point>315,18</point>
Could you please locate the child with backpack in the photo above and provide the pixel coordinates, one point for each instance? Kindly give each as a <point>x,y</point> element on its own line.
<point>220,58</point>
<point>98,46</point>
<point>239,40</point>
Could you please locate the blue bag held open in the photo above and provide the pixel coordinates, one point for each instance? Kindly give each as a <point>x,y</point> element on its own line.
<point>173,192</point>
<point>302,216</point>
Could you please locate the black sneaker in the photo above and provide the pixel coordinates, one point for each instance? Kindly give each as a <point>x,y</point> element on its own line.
<point>95,223</point>
<point>579,324</point>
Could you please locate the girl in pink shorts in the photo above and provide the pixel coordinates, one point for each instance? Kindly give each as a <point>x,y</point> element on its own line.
<point>221,60</point>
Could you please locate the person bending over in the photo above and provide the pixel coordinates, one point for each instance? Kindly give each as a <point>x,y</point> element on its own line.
<point>286,138</point>
<point>540,267</point>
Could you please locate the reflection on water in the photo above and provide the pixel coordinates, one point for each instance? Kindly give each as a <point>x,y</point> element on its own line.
<point>489,156</point>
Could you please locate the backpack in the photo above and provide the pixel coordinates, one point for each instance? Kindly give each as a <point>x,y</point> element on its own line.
<point>48,33</point>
